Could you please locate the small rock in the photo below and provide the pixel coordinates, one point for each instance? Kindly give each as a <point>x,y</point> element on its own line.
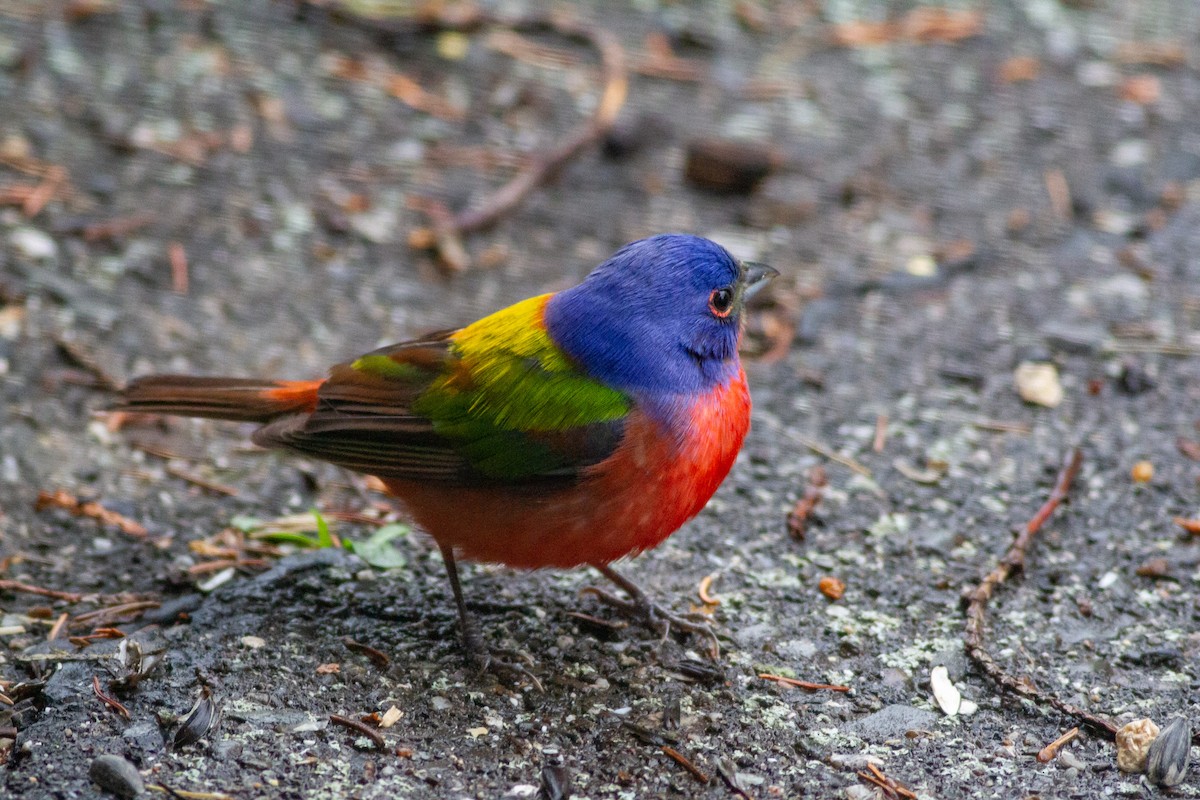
<point>1083,340</point>
<point>116,775</point>
<point>1038,383</point>
<point>377,226</point>
<point>730,166</point>
<point>783,200</point>
<point>1096,74</point>
<point>1130,153</point>
<point>253,642</point>
<point>145,736</point>
<point>1133,744</point>
<point>1168,756</point>
<point>33,244</point>
<point>891,722</point>
<point>631,133</point>
<point>1134,379</point>
<point>1069,760</point>
<point>854,762</point>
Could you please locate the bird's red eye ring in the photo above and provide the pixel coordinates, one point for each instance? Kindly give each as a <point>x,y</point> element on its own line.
<point>720,302</point>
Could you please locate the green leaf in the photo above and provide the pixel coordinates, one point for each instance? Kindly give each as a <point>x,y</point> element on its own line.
<point>378,550</point>
<point>324,537</point>
<point>289,537</point>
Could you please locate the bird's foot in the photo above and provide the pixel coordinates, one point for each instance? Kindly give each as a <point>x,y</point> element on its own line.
<point>641,609</point>
<point>509,666</point>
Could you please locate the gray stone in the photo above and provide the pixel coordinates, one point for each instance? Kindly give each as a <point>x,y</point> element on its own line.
<point>891,722</point>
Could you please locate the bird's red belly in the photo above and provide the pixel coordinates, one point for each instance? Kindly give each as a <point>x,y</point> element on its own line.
<point>630,502</point>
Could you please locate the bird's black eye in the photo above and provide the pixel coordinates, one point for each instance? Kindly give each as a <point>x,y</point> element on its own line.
<point>720,302</point>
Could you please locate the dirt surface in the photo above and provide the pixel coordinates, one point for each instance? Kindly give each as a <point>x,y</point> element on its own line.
<point>941,211</point>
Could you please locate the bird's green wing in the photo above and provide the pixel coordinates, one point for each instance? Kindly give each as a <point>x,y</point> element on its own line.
<point>496,402</point>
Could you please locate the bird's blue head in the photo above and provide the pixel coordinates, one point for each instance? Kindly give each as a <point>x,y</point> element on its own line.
<point>661,317</point>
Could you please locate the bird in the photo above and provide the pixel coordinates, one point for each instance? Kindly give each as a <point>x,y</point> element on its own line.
<point>571,428</point>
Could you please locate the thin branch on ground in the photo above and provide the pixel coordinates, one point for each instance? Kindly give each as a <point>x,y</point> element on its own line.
<point>977,600</point>
<point>448,227</point>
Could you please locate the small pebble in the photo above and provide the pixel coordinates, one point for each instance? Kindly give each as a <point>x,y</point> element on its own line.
<point>1070,761</point>
<point>33,244</point>
<point>116,775</point>
<point>854,762</point>
<point>729,165</point>
<point>1142,472</point>
<point>1038,383</point>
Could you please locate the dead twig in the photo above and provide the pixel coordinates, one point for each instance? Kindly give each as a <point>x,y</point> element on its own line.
<point>1059,192</point>
<point>977,600</point>
<point>1050,751</point>
<point>881,433</point>
<point>104,616</point>
<point>891,788</point>
<point>26,588</point>
<point>1001,426</point>
<point>365,730</point>
<point>109,229</point>
<point>1192,526</point>
<point>111,702</point>
<point>203,483</point>
<point>446,227</point>
<point>845,461</point>
<point>728,775</point>
<point>78,354</point>
<point>90,509</point>
<point>99,634</point>
<point>797,520</point>
<point>184,794</point>
<point>686,763</point>
<point>379,658</point>
<point>921,25</point>
<point>815,687</point>
<point>179,267</point>
<point>57,628</point>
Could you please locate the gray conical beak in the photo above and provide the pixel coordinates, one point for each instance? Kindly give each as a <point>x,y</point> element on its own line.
<point>757,276</point>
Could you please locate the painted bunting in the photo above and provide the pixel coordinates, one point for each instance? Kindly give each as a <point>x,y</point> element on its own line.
<point>571,428</point>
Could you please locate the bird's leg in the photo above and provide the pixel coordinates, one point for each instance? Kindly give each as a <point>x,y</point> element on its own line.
<point>640,608</point>
<point>478,653</point>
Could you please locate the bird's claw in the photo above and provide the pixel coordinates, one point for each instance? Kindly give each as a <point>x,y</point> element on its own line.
<point>496,661</point>
<point>651,615</point>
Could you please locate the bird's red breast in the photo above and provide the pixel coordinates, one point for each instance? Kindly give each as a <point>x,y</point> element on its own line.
<point>660,476</point>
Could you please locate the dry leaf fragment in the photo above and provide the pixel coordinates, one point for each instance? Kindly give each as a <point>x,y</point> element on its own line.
<point>1038,383</point>
<point>1141,89</point>
<point>390,717</point>
<point>832,587</point>
<point>1133,744</point>
<point>1019,68</point>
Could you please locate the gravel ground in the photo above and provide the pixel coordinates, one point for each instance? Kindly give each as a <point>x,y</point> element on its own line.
<point>229,187</point>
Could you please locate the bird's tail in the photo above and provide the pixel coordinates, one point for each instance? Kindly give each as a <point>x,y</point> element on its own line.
<point>240,399</point>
